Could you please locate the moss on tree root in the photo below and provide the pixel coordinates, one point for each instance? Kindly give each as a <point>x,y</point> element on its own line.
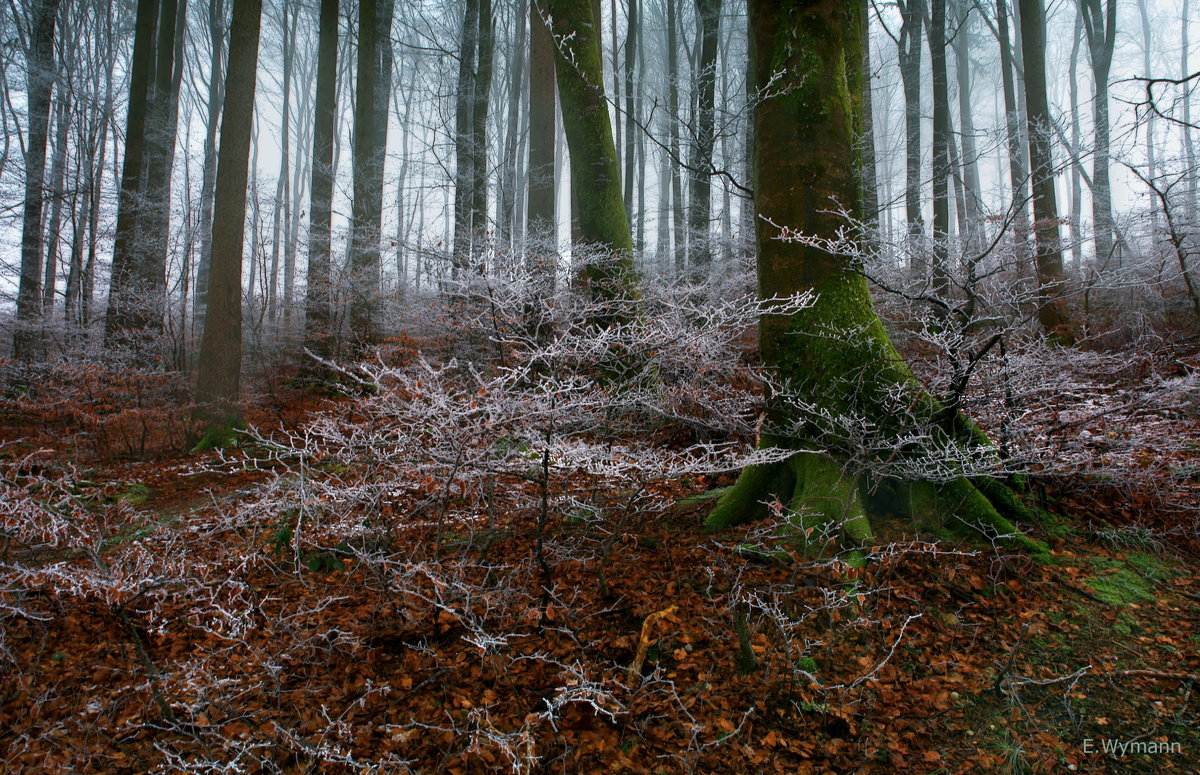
<point>822,499</point>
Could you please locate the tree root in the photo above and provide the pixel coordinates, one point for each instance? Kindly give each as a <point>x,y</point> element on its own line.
<point>821,498</point>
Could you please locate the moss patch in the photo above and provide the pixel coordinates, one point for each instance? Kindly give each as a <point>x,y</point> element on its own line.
<point>1121,587</point>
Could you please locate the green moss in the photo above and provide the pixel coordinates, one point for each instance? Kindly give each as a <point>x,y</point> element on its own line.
<point>1121,587</point>
<point>1151,566</point>
<point>219,435</point>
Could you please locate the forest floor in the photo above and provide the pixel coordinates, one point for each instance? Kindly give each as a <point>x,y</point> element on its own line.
<point>169,618</point>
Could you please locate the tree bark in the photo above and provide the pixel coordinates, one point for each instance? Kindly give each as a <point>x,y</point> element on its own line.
<point>125,314</point>
<point>219,380</point>
<point>834,355</point>
<point>963,46</point>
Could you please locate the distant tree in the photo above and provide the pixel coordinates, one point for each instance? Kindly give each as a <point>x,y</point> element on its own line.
<point>472,101</point>
<point>39,79</point>
<point>540,213</point>
<point>218,383</point>
<point>700,204</point>
<point>136,296</point>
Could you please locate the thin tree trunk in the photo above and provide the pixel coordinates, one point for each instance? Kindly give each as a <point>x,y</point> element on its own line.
<point>543,135</point>
<point>700,204</point>
<point>1018,174</point>
<point>631,52</point>
<point>506,217</point>
<point>318,335</point>
<point>464,173</point>
<point>57,196</point>
<point>941,149</point>
<point>287,39</point>
<point>679,231</point>
<point>912,12</point>
<point>1076,138</point>
<point>1101,31</point>
<point>1189,147</point>
<point>479,119</point>
<point>964,44</point>
<point>40,81</point>
<point>216,97</point>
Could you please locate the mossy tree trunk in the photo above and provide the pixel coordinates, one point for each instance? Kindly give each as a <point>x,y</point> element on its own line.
<point>595,174</point>
<point>833,357</point>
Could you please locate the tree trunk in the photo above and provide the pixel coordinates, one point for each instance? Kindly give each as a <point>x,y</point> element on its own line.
<point>370,143</point>
<point>1018,175</point>
<point>484,62</point>
<point>1052,308</point>
<point>1101,31</point>
<point>679,233</point>
<point>219,380</point>
<point>279,220</point>
<point>699,203</point>
<point>124,301</point>
<point>464,107</point>
<point>909,43</point>
<point>318,336</point>
<point>216,97</point>
<point>506,216</point>
<point>833,356</point>
<point>941,150</point>
<point>963,46</point>
<point>154,214</point>
<point>595,174</point>
<point>39,83</point>
<point>1076,137</point>
<point>57,196</point>
<point>631,52</point>
<point>541,211</point>
<point>1189,147</point>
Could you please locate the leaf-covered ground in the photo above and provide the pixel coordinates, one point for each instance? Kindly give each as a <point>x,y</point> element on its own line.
<point>199,613</point>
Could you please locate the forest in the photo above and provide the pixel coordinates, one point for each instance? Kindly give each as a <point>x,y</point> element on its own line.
<point>571,386</point>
